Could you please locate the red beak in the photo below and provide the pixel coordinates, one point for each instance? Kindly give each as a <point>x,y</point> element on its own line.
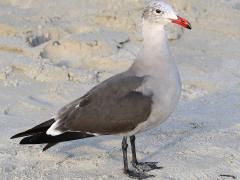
<point>182,22</point>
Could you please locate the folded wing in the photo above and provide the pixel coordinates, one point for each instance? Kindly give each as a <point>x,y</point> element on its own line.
<point>112,107</point>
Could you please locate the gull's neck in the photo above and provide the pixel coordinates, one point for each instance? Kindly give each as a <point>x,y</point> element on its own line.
<point>155,40</point>
<point>154,55</point>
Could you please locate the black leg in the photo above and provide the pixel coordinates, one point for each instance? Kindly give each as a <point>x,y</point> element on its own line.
<point>125,160</point>
<point>143,166</point>
<point>131,174</point>
<point>134,157</point>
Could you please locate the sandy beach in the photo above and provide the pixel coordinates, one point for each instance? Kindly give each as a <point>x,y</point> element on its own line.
<point>52,52</point>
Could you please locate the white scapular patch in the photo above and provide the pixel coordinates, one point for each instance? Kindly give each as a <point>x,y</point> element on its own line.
<point>52,130</point>
<point>77,106</point>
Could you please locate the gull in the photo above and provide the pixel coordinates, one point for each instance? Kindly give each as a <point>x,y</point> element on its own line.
<point>128,103</point>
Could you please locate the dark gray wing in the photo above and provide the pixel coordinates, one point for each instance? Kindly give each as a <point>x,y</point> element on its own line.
<point>114,106</point>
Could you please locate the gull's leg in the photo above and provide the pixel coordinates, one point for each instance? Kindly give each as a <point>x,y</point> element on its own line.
<point>131,174</point>
<point>134,157</point>
<point>125,160</point>
<point>143,166</point>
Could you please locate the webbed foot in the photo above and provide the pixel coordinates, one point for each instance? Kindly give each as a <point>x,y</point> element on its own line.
<point>146,166</point>
<point>138,175</point>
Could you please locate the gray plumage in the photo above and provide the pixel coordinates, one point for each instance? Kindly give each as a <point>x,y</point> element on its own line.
<point>107,108</point>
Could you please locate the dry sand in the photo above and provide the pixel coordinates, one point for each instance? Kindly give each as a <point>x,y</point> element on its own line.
<point>52,52</point>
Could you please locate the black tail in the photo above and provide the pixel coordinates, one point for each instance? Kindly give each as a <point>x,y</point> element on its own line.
<point>37,135</point>
<point>35,130</point>
<point>43,138</point>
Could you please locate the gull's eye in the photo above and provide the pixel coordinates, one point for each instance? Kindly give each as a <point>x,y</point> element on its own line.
<point>158,11</point>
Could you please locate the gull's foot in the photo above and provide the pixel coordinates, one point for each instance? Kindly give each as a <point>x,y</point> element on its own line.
<point>146,166</point>
<point>137,175</point>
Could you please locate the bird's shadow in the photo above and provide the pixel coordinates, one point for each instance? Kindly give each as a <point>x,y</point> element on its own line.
<point>204,120</point>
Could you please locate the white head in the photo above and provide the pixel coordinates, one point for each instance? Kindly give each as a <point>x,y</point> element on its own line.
<point>159,12</point>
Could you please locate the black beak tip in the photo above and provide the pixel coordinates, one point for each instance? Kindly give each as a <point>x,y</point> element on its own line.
<point>189,26</point>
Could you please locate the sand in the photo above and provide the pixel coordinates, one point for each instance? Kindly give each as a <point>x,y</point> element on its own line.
<point>52,52</point>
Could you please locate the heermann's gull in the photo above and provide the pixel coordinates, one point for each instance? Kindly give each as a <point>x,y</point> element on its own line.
<point>127,103</point>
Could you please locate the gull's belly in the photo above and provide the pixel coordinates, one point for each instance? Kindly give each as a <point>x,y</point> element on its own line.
<point>165,99</point>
